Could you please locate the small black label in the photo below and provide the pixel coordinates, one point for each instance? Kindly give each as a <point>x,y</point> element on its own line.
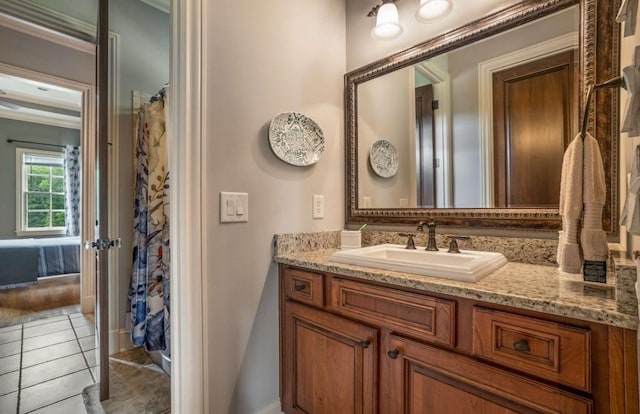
<point>595,271</point>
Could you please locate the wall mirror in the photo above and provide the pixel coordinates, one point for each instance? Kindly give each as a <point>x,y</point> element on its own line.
<point>478,119</point>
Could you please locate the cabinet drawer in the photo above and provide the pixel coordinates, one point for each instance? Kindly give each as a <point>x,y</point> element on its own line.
<point>420,316</point>
<point>556,352</point>
<point>303,286</point>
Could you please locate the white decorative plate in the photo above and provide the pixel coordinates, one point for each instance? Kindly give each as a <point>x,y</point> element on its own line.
<point>383,157</point>
<point>296,139</point>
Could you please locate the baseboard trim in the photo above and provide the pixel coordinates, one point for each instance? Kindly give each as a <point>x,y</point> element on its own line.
<point>124,340</point>
<point>272,408</point>
<point>119,340</point>
<point>87,304</point>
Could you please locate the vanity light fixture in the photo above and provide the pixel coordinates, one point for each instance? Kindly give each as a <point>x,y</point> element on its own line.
<point>432,10</point>
<point>387,21</point>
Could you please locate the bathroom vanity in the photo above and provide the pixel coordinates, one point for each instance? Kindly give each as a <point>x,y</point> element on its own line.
<point>524,339</point>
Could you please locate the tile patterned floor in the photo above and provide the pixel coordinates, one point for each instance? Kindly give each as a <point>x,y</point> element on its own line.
<point>45,364</point>
<point>136,385</point>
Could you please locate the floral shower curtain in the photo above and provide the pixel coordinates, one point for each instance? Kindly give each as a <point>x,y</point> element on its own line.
<point>149,291</point>
<point>72,189</point>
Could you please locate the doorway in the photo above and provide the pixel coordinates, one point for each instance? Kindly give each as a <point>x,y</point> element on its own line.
<point>425,146</point>
<point>527,158</point>
<point>47,330</point>
<point>68,18</point>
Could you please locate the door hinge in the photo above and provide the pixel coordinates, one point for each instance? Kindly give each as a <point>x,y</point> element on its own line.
<point>434,104</point>
<point>103,244</point>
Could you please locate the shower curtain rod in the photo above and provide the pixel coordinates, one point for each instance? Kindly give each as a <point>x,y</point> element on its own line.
<point>34,142</point>
<point>160,94</point>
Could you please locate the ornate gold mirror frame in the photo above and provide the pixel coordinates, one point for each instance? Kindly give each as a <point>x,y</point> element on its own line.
<point>599,61</point>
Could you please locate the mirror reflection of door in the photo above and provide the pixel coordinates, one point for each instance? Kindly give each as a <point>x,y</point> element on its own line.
<point>425,132</point>
<point>533,114</point>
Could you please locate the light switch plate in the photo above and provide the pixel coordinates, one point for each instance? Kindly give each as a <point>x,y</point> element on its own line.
<point>234,207</point>
<point>318,207</point>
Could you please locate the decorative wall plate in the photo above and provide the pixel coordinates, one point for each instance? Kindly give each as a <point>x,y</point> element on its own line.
<point>383,157</point>
<point>296,139</point>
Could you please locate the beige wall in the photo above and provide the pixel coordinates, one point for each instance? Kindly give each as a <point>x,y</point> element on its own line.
<point>262,58</point>
<point>384,112</point>
<point>33,53</point>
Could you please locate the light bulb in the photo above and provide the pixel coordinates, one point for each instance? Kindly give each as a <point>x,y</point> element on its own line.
<point>431,10</point>
<point>387,26</point>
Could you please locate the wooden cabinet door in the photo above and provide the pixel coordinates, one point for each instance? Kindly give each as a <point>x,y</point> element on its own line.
<point>329,363</point>
<point>421,379</point>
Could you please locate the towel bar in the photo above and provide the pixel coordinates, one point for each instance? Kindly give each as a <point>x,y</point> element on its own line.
<point>617,82</point>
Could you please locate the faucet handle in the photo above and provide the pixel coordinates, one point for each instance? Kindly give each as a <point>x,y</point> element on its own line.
<point>453,245</point>
<point>411,244</point>
<point>431,224</point>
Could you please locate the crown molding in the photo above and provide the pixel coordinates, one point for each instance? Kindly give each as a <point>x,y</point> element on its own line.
<point>162,5</point>
<point>62,121</point>
<point>54,21</point>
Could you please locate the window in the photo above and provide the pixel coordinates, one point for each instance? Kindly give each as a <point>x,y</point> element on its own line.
<point>40,197</point>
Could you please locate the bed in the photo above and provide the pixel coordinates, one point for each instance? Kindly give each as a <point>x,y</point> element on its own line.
<point>23,261</point>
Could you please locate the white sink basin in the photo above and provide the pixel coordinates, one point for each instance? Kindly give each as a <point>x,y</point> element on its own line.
<point>466,266</point>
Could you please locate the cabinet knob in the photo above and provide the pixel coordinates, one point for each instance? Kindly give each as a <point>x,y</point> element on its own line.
<point>298,288</point>
<point>393,354</point>
<point>522,346</point>
<point>365,344</point>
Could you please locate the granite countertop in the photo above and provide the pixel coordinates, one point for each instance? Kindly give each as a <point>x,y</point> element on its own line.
<point>520,285</point>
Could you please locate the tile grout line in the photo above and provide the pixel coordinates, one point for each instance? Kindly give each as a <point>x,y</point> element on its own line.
<point>47,346</point>
<point>48,333</point>
<point>55,378</point>
<point>82,352</point>
<point>21,359</point>
<point>20,374</point>
<point>49,405</point>
<point>57,343</point>
<point>54,359</point>
<point>51,379</point>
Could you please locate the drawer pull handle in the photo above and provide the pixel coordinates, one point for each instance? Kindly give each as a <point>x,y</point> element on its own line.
<point>298,288</point>
<point>365,344</point>
<point>522,346</point>
<point>393,354</point>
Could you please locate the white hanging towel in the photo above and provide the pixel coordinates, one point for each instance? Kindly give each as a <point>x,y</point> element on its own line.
<point>627,14</point>
<point>569,254</point>
<point>631,211</point>
<point>631,76</point>
<point>593,239</point>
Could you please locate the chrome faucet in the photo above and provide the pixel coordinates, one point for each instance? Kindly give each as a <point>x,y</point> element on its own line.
<point>431,226</point>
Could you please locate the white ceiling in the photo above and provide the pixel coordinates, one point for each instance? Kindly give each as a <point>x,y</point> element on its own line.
<point>27,100</point>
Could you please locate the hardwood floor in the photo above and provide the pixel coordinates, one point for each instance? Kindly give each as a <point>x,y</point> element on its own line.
<point>49,297</point>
